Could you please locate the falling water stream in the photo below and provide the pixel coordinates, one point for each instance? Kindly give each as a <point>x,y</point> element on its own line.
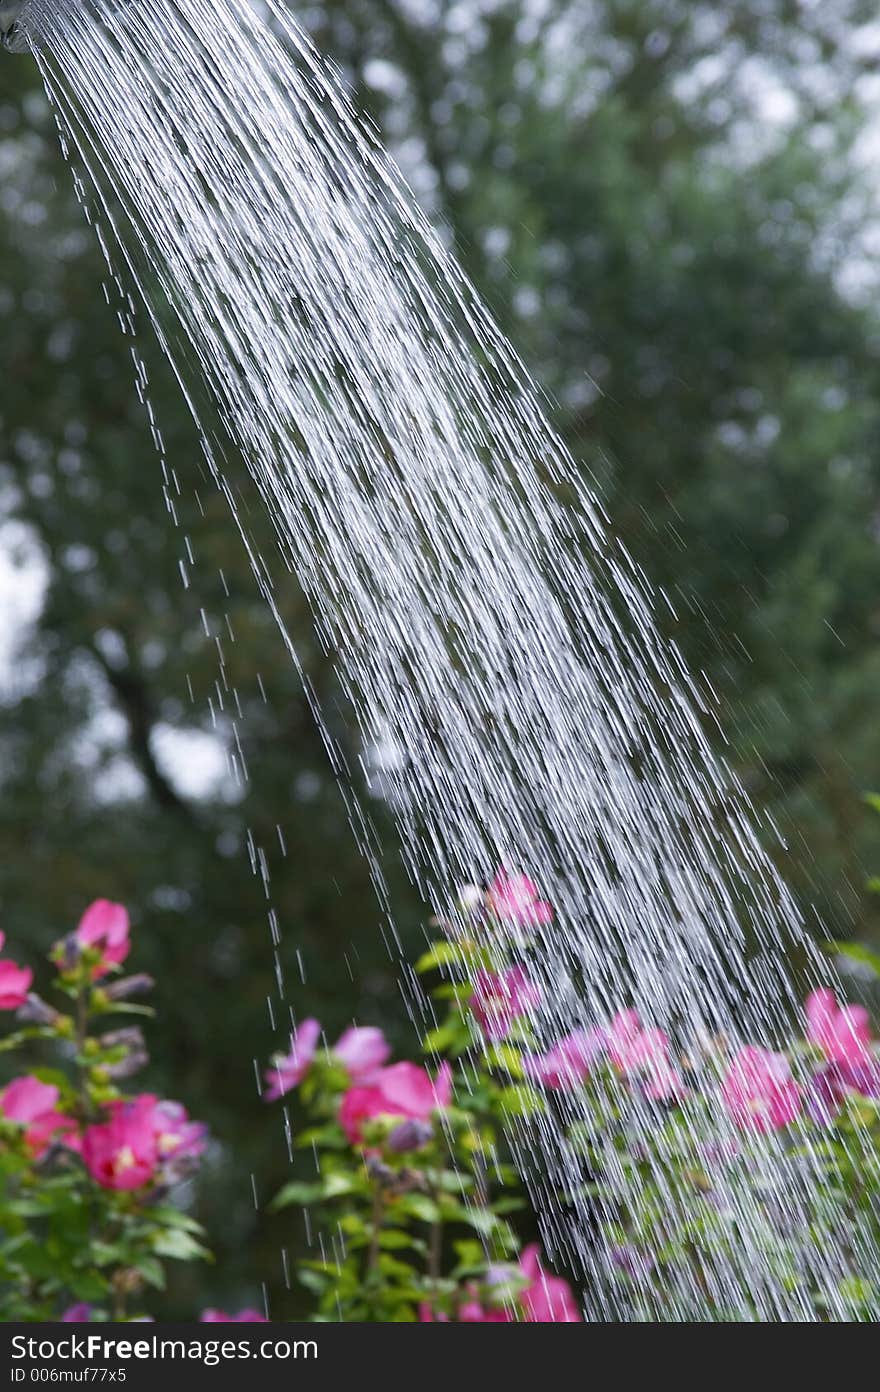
<point>492,637</point>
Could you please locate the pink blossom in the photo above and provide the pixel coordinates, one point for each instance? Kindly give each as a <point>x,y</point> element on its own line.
<point>122,1153</point>
<point>759,1092</point>
<point>362,1052</point>
<point>288,1070</point>
<point>514,899</point>
<point>77,1314</point>
<point>843,1033</point>
<point>177,1137</point>
<point>15,982</point>
<point>644,1055</point>
<point>624,1034</point>
<point>403,1090</point>
<point>428,1315</point>
<point>221,1317</point>
<point>569,1062</point>
<point>499,998</point>
<point>828,1088</point>
<point>34,1105</point>
<point>472,1312</point>
<point>105,926</point>
<point>547,1299</point>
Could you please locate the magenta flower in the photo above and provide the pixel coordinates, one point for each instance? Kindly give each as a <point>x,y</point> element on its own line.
<point>77,1314</point>
<point>402,1091</point>
<point>569,1062</point>
<point>624,1034</point>
<point>499,998</point>
<point>547,1299</point>
<point>828,1088</point>
<point>472,1312</point>
<point>643,1055</point>
<point>221,1317</point>
<point>288,1070</point>
<point>104,926</point>
<point>34,1105</point>
<point>177,1137</point>
<point>428,1315</point>
<point>514,899</point>
<point>15,982</point>
<point>122,1153</point>
<point>759,1092</point>
<point>843,1033</point>
<point>362,1052</point>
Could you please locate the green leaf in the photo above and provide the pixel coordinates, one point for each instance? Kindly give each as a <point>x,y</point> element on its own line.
<point>857,952</point>
<point>507,1057</point>
<point>173,1218</point>
<point>418,1206</point>
<point>179,1246</point>
<point>520,1101</point>
<point>438,1040</point>
<point>296,1193</point>
<point>152,1271</point>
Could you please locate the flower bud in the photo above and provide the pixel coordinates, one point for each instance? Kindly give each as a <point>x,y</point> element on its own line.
<point>67,952</point>
<point>36,1011</point>
<point>129,986</point>
<point>133,1062</point>
<point>409,1135</point>
<point>131,1038</point>
<point>382,1174</point>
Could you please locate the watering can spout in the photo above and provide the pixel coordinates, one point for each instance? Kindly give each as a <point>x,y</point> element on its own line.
<point>10,28</point>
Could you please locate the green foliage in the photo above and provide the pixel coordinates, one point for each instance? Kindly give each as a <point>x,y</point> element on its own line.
<point>668,1163</point>
<point>69,1233</point>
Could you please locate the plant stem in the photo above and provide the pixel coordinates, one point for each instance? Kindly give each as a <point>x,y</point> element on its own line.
<point>376,1223</point>
<point>82,1030</point>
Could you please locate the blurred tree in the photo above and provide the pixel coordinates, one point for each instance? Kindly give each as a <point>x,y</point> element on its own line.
<point>656,197</point>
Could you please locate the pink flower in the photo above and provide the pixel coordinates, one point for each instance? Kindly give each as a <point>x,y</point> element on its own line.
<point>472,1312</point>
<point>759,1092</point>
<point>122,1153</point>
<point>288,1070</point>
<point>362,1052</point>
<point>77,1314</point>
<point>843,1033</point>
<point>569,1062</point>
<point>34,1105</point>
<point>624,1033</point>
<point>428,1315</point>
<point>221,1317</point>
<point>105,926</point>
<point>177,1137</point>
<point>644,1055</point>
<point>15,982</point>
<point>514,899</point>
<point>547,1299</point>
<point>499,998</point>
<point>403,1090</point>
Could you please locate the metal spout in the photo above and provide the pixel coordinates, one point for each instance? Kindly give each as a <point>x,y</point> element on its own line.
<point>10,30</point>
